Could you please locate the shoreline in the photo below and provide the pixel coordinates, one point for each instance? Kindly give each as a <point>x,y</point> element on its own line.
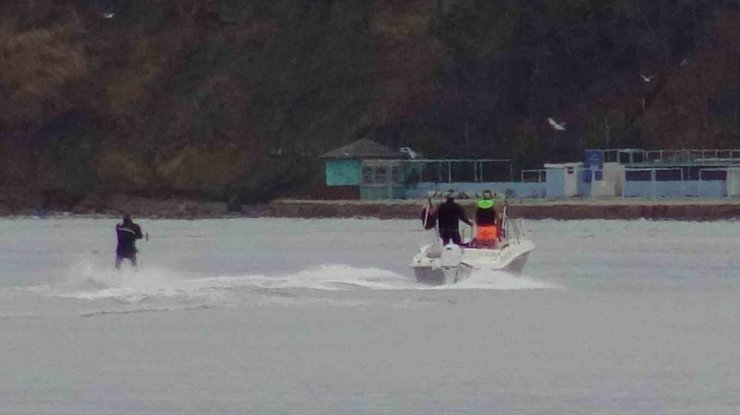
<point>669,209</point>
<point>674,209</point>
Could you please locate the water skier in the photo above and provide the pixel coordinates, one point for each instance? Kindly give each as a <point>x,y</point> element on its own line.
<point>127,233</point>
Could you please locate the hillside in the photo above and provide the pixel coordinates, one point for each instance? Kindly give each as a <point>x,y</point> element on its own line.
<point>232,101</point>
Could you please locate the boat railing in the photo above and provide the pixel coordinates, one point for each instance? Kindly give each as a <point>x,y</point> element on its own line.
<point>512,229</point>
<point>504,223</point>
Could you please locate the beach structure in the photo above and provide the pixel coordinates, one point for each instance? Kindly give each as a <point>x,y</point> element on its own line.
<point>368,170</point>
<point>636,173</point>
<point>563,179</point>
<point>639,173</point>
<point>668,173</point>
<point>365,169</point>
<point>361,164</point>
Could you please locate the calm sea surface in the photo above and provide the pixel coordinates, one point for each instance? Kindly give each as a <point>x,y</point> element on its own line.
<point>283,316</point>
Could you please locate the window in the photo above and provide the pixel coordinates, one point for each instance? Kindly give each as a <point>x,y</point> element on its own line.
<point>638,176</point>
<point>396,175</point>
<point>368,175</point>
<point>381,174</point>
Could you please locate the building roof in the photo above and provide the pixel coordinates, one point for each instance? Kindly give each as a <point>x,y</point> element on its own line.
<point>562,165</point>
<point>363,148</point>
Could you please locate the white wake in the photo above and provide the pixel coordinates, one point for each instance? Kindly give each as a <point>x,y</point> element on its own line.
<point>87,280</point>
<point>500,280</point>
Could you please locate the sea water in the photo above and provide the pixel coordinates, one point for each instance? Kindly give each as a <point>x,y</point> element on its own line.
<point>282,316</point>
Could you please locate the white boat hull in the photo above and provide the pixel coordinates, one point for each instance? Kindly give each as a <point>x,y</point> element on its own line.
<point>442,276</point>
<point>510,258</point>
<point>451,264</point>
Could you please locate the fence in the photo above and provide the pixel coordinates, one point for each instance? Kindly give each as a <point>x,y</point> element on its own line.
<point>509,189</point>
<point>538,176</point>
<point>672,182</point>
<point>398,179</point>
<point>459,170</point>
<point>682,156</point>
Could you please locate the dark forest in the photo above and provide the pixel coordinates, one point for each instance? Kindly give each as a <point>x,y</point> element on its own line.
<point>233,100</point>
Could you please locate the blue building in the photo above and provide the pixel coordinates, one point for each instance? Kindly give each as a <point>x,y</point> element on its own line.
<point>367,170</point>
<point>360,167</point>
<point>705,173</point>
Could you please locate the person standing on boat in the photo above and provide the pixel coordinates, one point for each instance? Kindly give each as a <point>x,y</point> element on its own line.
<point>485,220</point>
<point>127,233</point>
<point>449,215</point>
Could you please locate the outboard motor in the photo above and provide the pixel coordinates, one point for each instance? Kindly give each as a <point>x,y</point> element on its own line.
<point>451,256</point>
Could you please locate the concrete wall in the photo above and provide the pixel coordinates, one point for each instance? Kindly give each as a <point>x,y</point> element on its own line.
<point>561,183</point>
<point>612,182</point>
<point>643,189</point>
<point>512,189</point>
<point>555,184</point>
<point>733,182</point>
<point>379,192</point>
<point>343,172</point>
<point>687,188</point>
<point>336,192</point>
<point>684,210</point>
<point>583,183</point>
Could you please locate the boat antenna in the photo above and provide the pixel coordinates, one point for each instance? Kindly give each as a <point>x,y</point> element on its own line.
<point>426,211</point>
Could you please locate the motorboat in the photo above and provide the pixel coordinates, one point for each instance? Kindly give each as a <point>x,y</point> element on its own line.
<point>436,264</point>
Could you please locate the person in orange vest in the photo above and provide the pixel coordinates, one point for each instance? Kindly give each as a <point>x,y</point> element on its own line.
<point>485,219</point>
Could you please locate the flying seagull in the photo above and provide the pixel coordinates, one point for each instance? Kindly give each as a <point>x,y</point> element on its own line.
<point>558,126</point>
<point>108,15</point>
<point>409,152</point>
<point>647,78</point>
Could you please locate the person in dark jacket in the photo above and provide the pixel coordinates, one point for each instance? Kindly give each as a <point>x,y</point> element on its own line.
<point>127,233</point>
<point>449,216</point>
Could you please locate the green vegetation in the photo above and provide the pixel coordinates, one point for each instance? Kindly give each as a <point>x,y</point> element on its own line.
<point>233,100</point>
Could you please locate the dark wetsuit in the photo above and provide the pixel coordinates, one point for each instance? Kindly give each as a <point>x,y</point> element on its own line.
<point>448,216</point>
<point>127,232</point>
